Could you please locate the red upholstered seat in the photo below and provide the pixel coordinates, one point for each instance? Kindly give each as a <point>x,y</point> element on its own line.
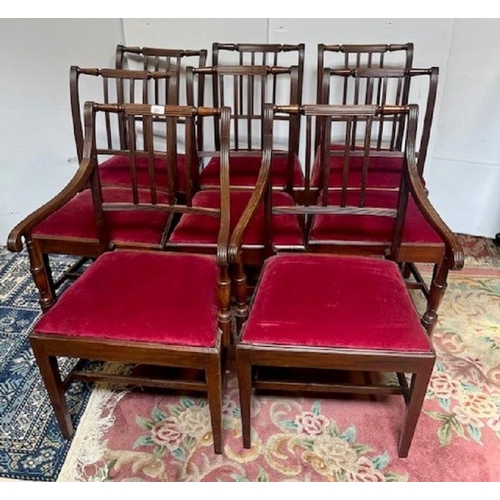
<point>332,301</point>
<point>200,229</point>
<point>76,219</point>
<point>245,170</point>
<point>140,296</point>
<point>116,172</point>
<point>382,172</point>
<point>372,228</point>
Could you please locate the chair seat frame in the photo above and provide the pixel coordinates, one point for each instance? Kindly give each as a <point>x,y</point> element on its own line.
<point>48,347</point>
<point>251,357</point>
<point>420,366</point>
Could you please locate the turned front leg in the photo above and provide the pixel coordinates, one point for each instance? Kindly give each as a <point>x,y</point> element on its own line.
<point>40,270</point>
<point>240,285</point>
<point>436,293</point>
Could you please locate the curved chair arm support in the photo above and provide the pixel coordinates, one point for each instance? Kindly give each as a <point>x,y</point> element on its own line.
<point>76,184</point>
<point>225,207</point>
<point>260,187</point>
<point>454,250</point>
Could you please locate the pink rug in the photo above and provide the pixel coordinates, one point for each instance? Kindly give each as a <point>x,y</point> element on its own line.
<point>144,437</point>
<point>479,248</point>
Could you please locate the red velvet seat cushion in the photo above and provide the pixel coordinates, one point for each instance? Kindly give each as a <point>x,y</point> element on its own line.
<point>372,228</point>
<point>382,172</point>
<point>243,172</point>
<point>140,296</point>
<point>76,219</point>
<point>200,229</point>
<point>332,301</point>
<point>116,172</point>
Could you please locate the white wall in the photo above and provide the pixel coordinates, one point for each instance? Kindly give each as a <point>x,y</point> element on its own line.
<point>463,169</point>
<point>36,134</point>
<point>193,33</point>
<point>432,38</point>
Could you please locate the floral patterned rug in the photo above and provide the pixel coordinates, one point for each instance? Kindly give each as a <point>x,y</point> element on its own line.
<point>479,248</point>
<point>134,436</point>
<point>31,446</point>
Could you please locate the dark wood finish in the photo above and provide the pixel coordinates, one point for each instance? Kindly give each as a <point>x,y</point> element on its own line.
<point>72,273</point>
<point>369,77</point>
<point>264,54</point>
<point>158,59</point>
<point>41,274</point>
<point>49,370</point>
<point>383,87</point>
<point>420,365</point>
<point>48,347</point>
<point>165,59</point>
<point>119,87</point>
<point>336,121</point>
<point>209,359</point>
<point>362,56</point>
<point>245,89</point>
<point>332,120</point>
<point>180,121</point>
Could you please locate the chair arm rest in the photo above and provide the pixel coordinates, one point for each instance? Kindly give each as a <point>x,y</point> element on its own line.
<point>453,248</point>
<point>24,228</point>
<point>225,206</point>
<point>251,208</point>
<point>259,190</point>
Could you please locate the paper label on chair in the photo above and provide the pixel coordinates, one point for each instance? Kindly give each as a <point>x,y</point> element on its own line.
<point>158,110</point>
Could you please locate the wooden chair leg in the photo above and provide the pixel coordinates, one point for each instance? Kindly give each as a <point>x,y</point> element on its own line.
<point>46,264</point>
<point>436,293</point>
<point>419,383</point>
<point>241,296</point>
<point>213,375</point>
<point>51,376</point>
<point>41,275</point>
<point>244,369</point>
<point>224,293</point>
<point>406,271</point>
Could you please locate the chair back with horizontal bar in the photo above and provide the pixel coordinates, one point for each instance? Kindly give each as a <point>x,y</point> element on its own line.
<point>263,54</point>
<point>158,193</point>
<point>355,56</point>
<point>245,89</point>
<point>347,215</point>
<point>119,87</point>
<point>162,59</point>
<point>386,86</point>
<point>348,135</point>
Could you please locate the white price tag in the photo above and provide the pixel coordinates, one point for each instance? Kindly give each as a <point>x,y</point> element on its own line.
<point>158,110</point>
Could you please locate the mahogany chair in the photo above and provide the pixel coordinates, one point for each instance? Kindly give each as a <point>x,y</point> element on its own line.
<point>67,223</point>
<point>245,89</point>
<point>120,87</point>
<point>163,59</point>
<point>382,86</point>
<point>354,230</point>
<point>356,56</point>
<point>143,307</point>
<point>263,54</point>
<point>192,233</point>
<point>158,59</point>
<point>74,223</point>
<point>359,57</point>
<point>329,313</point>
